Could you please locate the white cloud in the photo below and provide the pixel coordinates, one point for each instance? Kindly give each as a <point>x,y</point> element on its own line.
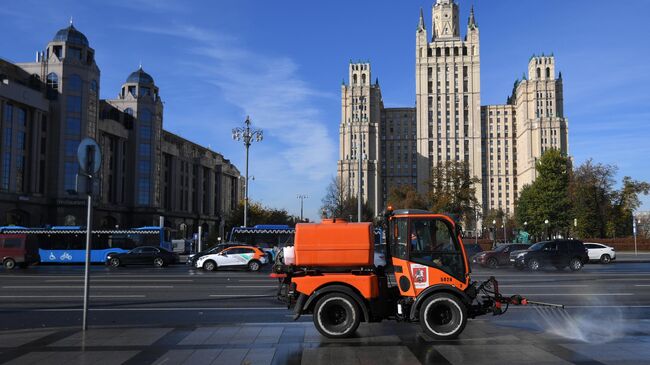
<point>298,155</point>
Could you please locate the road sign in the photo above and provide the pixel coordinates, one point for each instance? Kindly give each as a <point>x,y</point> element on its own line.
<point>89,156</point>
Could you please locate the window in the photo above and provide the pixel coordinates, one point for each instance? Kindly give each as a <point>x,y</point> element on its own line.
<point>71,147</point>
<point>145,149</point>
<point>74,83</point>
<point>143,191</point>
<point>145,91</point>
<point>53,81</point>
<point>12,243</point>
<point>93,86</point>
<point>74,53</point>
<point>21,117</point>
<point>6,170</point>
<point>70,178</point>
<point>144,167</point>
<point>73,104</point>
<point>20,140</point>
<point>433,244</point>
<point>73,126</point>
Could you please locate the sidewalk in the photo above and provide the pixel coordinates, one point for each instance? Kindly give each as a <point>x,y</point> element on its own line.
<point>299,343</point>
<point>630,257</point>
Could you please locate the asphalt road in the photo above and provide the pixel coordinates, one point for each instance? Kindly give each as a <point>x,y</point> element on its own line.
<point>52,296</point>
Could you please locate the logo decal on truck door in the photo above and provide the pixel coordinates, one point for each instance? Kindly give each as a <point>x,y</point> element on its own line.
<point>420,276</point>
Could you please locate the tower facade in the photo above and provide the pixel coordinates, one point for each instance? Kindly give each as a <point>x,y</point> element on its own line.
<point>448,93</point>
<point>361,106</point>
<point>539,103</point>
<point>500,143</point>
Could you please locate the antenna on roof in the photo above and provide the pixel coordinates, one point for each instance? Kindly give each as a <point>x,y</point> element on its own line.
<point>70,19</point>
<point>140,64</point>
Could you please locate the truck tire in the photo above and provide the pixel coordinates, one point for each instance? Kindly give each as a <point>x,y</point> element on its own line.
<point>336,315</point>
<point>443,316</point>
<point>9,264</point>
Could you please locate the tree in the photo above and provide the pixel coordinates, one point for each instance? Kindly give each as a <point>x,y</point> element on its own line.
<point>452,191</point>
<point>406,196</point>
<point>592,191</point>
<point>337,203</point>
<point>626,201</point>
<point>547,198</point>
<point>259,214</point>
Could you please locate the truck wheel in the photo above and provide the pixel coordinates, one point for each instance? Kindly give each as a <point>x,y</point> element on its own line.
<point>605,259</point>
<point>443,316</point>
<point>492,263</point>
<point>575,264</point>
<point>9,264</point>
<point>533,265</point>
<point>336,315</point>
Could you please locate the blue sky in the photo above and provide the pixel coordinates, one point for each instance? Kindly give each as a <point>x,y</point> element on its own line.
<point>282,62</point>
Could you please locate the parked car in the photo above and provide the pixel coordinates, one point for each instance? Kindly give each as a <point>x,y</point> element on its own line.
<point>472,249</point>
<point>248,257</point>
<point>191,259</point>
<point>143,255</point>
<point>558,253</point>
<point>18,250</point>
<point>599,252</point>
<point>499,256</point>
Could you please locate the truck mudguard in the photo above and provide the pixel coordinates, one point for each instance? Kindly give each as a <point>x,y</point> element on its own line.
<point>436,289</point>
<point>341,289</point>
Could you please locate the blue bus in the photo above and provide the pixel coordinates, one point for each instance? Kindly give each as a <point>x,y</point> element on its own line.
<point>264,236</point>
<point>67,244</point>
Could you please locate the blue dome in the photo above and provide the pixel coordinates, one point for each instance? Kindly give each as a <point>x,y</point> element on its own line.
<point>71,35</point>
<point>140,77</point>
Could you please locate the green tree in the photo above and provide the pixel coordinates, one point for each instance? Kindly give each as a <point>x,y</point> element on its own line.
<point>259,214</point>
<point>547,198</point>
<point>592,192</point>
<point>452,190</point>
<point>406,196</point>
<point>625,202</point>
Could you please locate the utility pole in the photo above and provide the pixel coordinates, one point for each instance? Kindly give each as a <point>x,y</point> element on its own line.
<point>248,135</point>
<point>302,198</point>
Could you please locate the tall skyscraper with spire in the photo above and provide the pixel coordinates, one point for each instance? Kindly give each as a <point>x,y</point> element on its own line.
<point>499,143</point>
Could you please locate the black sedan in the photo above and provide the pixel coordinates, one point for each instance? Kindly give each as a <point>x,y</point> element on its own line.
<point>144,255</point>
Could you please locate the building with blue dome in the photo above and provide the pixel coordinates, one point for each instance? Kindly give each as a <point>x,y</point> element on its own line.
<point>48,106</point>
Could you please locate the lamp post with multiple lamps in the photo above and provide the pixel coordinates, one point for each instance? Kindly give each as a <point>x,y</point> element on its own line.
<point>248,135</point>
<point>302,198</point>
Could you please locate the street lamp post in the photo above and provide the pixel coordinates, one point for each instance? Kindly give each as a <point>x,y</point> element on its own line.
<point>494,229</point>
<point>505,236</point>
<point>302,198</point>
<point>634,223</point>
<point>546,226</point>
<point>248,135</point>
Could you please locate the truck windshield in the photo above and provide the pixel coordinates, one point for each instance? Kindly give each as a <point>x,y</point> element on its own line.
<point>432,243</point>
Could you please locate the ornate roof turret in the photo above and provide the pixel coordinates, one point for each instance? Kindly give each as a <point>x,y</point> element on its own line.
<point>471,23</point>
<point>140,77</point>
<point>421,25</point>
<point>71,35</point>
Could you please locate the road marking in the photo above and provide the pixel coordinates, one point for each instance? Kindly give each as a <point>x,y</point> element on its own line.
<point>239,295</point>
<point>642,285</point>
<point>576,294</point>
<point>257,280</point>
<point>119,281</point>
<point>141,309</point>
<point>93,286</point>
<point>251,286</point>
<point>72,296</point>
